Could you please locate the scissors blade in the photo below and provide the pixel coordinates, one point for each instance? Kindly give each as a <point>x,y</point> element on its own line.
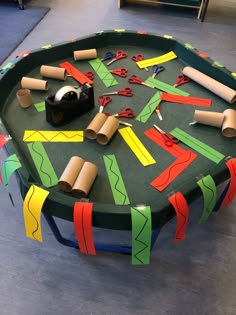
<point>159,113</point>
<point>158,129</point>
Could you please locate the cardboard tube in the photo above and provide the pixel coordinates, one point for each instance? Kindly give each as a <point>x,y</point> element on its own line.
<point>209,118</point>
<point>108,129</point>
<point>85,180</point>
<point>24,97</point>
<point>34,84</point>
<point>70,173</point>
<point>85,54</point>
<point>95,125</point>
<point>53,72</point>
<point>229,125</point>
<point>211,84</point>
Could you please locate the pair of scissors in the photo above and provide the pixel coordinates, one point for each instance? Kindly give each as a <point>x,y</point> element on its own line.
<point>181,79</point>
<point>120,54</point>
<point>125,92</point>
<point>127,113</point>
<point>89,74</point>
<point>122,72</point>
<point>108,56</point>
<point>158,111</point>
<point>134,79</point>
<point>167,138</point>
<point>124,123</point>
<point>103,101</point>
<point>156,70</point>
<point>137,58</point>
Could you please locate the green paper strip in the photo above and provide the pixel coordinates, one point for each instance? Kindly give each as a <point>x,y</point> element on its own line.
<point>218,64</point>
<point>208,188</point>
<point>197,145</point>
<point>141,234</point>
<point>149,108</point>
<point>165,87</point>
<point>103,73</point>
<point>10,165</point>
<point>43,165</point>
<point>40,106</point>
<point>189,46</point>
<point>117,185</point>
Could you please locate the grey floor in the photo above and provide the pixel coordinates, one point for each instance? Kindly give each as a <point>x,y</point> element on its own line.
<point>197,276</point>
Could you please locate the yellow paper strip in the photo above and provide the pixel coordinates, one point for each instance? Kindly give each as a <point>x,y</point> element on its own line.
<point>156,60</point>
<point>53,136</point>
<point>32,208</point>
<point>136,146</point>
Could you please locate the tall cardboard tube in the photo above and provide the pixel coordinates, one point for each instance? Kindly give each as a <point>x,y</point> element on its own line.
<point>95,125</point>
<point>108,129</point>
<point>211,84</point>
<point>24,97</point>
<point>208,118</point>
<point>53,72</point>
<point>85,54</point>
<point>229,125</point>
<point>85,180</point>
<point>70,173</point>
<point>34,84</point>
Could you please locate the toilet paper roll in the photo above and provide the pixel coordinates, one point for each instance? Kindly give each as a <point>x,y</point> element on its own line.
<point>85,54</point>
<point>211,84</point>
<point>229,125</point>
<point>34,84</point>
<point>70,173</point>
<point>108,129</point>
<point>85,180</point>
<point>95,125</point>
<point>53,72</point>
<point>24,98</point>
<point>208,118</point>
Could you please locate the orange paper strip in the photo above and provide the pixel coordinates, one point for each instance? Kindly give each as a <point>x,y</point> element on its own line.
<point>182,213</point>
<point>231,193</point>
<point>75,73</point>
<point>83,227</point>
<point>187,100</point>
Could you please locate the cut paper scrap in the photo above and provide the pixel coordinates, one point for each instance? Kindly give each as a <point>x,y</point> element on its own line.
<point>32,209</point>
<point>40,107</point>
<point>3,140</point>
<point>136,146</point>
<point>141,234</point>
<point>43,165</point>
<point>53,136</point>
<point>103,73</point>
<point>231,192</point>
<point>165,87</point>
<point>187,100</point>
<point>208,188</point>
<point>10,165</point>
<point>116,181</point>
<point>174,170</point>
<point>197,145</point>
<point>155,136</point>
<point>75,73</point>
<point>147,111</point>
<point>156,60</point>
<point>182,213</point>
<point>83,227</point>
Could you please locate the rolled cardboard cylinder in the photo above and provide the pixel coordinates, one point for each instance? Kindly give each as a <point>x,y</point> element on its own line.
<point>211,84</point>
<point>229,125</point>
<point>34,84</point>
<point>95,125</point>
<point>85,54</point>
<point>70,173</point>
<point>108,129</point>
<point>24,98</point>
<point>209,118</point>
<point>53,72</point>
<point>85,180</point>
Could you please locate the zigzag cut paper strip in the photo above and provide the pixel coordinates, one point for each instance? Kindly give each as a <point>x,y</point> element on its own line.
<point>165,87</point>
<point>75,73</point>
<point>53,136</point>
<point>156,60</point>
<point>187,100</point>
<point>103,73</point>
<point>231,192</point>
<point>147,111</point>
<point>83,227</point>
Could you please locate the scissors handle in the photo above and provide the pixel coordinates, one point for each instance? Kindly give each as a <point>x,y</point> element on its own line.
<point>120,54</point>
<point>127,112</point>
<point>181,79</point>
<point>122,72</point>
<point>169,139</point>
<point>138,57</point>
<point>103,101</point>
<point>134,79</point>
<point>156,70</point>
<point>125,92</point>
<point>89,74</point>
<point>108,56</point>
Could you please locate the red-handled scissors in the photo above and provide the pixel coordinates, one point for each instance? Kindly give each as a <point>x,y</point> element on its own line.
<point>137,58</point>
<point>125,92</point>
<point>127,113</point>
<point>134,79</point>
<point>103,101</point>
<point>181,79</point>
<point>122,72</point>
<point>167,138</point>
<point>120,54</point>
<point>89,74</point>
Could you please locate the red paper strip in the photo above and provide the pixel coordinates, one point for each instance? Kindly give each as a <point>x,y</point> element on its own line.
<point>75,73</point>
<point>155,136</point>
<point>187,100</point>
<point>176,168</point>
<point>182,213</point>
<point>202,54</point>
<point>83,227</point>
<point>3,140</point>
<point>231,193</point>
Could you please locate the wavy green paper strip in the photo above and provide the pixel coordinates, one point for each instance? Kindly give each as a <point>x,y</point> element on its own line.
<point>208,188</point>
<point>10,165</point>
<point>103,73</point>
<point>165,87</point>
<point>149,108</point>
<point>141,234</point>
<point>116,181</point>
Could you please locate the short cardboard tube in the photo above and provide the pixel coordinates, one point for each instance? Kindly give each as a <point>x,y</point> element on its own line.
<point>53,72</point>
<point>229,125</point>
<point>95,125</point>
<point>24,97</point>
<point>85,54</point>
<point>108,129</point>
<point>34,84</point>
<point>208,118</point>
